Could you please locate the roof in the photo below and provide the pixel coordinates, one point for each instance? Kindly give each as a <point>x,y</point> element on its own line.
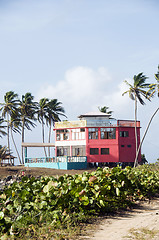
<point>95,114</point>
<point>38,144</point>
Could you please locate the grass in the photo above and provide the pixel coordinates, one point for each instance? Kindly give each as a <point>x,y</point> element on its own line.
<point>141,234</point>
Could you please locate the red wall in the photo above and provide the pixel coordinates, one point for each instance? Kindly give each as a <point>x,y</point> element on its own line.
<point>117,153</point>
<point>112,144</point>
<point>127,154</point>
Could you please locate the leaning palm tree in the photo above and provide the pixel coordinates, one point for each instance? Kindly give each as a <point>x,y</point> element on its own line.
<point>154,88</point>
<point>27,109</point>
<point>55,110</point>
<point>42,115</point>
<point>2,127</point>
<point>137,92</point>
<point>8,108</point>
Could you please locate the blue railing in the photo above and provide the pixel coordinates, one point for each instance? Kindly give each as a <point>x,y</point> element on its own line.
<point>56,159</point>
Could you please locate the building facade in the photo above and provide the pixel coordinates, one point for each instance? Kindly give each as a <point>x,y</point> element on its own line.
<point>99,137</point>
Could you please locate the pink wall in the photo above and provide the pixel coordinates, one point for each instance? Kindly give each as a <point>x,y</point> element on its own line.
<point>121,149</point>
<point>127,154</point>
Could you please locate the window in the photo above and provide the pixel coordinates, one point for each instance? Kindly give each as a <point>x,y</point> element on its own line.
<point>129,146</point>
<point>122,145</point>
<point>62,134</point>
<point>78,133</point>
<point>63,151</point>
<point>124,134</point>
<point>104,151</point>
<point>78,151</point>
<point>108,133</point>
<point>94,151</point>
<point>82,129</point>
<point>93,133</point>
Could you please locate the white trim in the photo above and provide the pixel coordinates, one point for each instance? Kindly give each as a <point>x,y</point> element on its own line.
<point>70,143</point>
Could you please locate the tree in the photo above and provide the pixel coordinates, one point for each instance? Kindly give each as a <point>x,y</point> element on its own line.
<point>154,88</point>
<point>137,92</point>
<point>27,109</point>
<point>105,110</point>
<point>55,110</point>
<point>2,128</point>
<point>9,107</point>
<point>42,113</point>
<point>3,153</point>
<point>15,126</point>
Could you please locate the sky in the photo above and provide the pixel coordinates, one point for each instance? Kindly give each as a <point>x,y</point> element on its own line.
<point>80,52</point>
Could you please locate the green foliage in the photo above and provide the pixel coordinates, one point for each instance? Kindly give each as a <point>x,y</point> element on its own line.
<point>66,201</point>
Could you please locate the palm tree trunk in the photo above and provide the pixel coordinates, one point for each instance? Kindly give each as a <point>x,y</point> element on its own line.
<point>49,139</point>
<point>8,138</point>
<point>43,137</point>
<point>147,128</point>
<point>22,141</point>
<point>15,146</point>
<point>135,162</point>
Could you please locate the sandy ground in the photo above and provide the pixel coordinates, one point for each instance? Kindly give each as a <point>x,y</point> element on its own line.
<point>17,170</point>
<point>141,223</point>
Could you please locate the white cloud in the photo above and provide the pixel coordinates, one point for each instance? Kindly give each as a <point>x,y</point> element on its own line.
<point>84,89</point>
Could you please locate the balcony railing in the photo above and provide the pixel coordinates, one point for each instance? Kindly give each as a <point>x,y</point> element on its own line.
<point>128,123</point>
<point>56,159</point>
<point>96,123</point>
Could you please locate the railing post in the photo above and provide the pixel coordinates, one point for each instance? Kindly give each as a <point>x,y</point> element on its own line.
<point>25,154</point>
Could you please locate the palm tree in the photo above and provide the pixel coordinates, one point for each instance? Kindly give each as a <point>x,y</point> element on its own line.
<point>2,127</point>
<point>55,110</point>
<point>27,111</point>
<point>137,92</point>
<point>42,113</point>
<point>9,107</point>
<point>105,110</point>
<point>15,126</point>
<point>154,88</point>
<point>3,153</point>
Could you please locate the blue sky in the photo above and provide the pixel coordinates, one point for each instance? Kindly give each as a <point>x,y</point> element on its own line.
<point>81,51</point>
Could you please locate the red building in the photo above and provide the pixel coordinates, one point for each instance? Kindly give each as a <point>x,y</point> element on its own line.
<point>99,137</point>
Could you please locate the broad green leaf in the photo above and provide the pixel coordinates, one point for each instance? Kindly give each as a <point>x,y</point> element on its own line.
<point>8,220</point>
<point>96,187</point>
<point>3,196</point>
<point>84,179</point>
<point>102,203</point>
<point>117,191</point>
<point>1,215</point>
<point>13,194</point>
<point>49,186</point>
<point>19,217</point>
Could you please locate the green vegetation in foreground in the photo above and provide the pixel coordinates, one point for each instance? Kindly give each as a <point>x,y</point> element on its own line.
<point>55,208</point>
